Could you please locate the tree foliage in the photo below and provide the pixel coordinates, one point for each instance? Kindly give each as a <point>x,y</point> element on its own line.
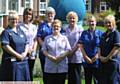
<point>114,4</point>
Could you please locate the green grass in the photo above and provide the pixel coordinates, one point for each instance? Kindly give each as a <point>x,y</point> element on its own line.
<point>41,81</point>
<point>98,27</point>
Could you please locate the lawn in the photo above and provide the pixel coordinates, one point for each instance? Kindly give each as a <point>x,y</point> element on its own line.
<point>98,27</point>
<point>41,82</point>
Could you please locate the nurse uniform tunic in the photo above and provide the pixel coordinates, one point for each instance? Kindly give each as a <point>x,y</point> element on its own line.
<point>56,47</point>
<point>13,69</point>
<point>109,69</point>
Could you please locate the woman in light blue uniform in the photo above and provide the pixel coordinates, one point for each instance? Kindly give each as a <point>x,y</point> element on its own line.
<point>75,59</point>
<point>14,66</point>
<point>45,29</point>
<point>30,31</point>
<point>56,47</point>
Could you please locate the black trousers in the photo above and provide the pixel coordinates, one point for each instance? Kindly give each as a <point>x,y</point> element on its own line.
<point>74,73</point>
<point>31,67</point>
<point>42,62</point>
<point>109,73</point>
<point>91,72</point>
<point>55,78</point>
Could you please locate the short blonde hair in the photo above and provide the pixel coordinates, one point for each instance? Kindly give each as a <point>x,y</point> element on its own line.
<point>72,13</point>
<point>57,21</point>
<point>91,17</point>
<point>13,14</point>
<point>111,18</point>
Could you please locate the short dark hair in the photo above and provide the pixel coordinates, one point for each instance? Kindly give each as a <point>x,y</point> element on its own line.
<point>27,11</point>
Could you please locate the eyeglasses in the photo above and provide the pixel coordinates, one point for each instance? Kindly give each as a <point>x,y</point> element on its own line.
<point>13,18</point>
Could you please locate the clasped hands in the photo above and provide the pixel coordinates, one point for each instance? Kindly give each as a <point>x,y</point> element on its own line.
<point>21,56</point>
<point>105,59</point>
<point>56,59</point>
<point>102,59</point>
<point>90,60</point>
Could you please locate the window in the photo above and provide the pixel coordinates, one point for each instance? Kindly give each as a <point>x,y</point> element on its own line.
<point>2,6</point>
<point>42,8</point>
<point>88,5</point>
<point>103,6</point>
<point>27,3</point>
<point>13,5</point>
<point>1,21</point>
<point>43,0</point>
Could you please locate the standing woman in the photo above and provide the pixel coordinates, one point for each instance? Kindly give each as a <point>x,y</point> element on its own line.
<point>75,60</point>
<point>30,31</point>
<point>44,30</point>
<point>56,48</point>
<point>14,66</point>
<point>89,43</point>
<point>109,47</point>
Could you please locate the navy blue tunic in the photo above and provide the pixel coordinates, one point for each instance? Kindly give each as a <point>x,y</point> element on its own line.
<point>14,70</point>
<point>109,70</point>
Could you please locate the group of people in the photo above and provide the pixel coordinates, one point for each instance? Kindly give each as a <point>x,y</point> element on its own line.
<point>62,51</point>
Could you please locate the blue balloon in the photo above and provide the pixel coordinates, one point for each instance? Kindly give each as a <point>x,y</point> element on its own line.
<point>62,7</point>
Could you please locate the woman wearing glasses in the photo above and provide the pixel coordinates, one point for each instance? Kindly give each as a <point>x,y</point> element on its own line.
<point>14,66</point>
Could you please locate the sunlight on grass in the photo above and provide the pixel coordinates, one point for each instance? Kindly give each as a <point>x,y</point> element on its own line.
<point>98,27</point>
<point>41,81</point>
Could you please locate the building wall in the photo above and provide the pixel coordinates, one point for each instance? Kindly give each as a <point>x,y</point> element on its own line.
<point>35,7</point>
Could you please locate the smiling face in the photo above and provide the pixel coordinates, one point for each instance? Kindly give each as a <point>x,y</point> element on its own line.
<point>72,18</point>
<point>92,22</point>
<point>56,25</point>
<point>110,23</point>
<point>50,16</point>
<point>27,15</point>
<point>13,18</point>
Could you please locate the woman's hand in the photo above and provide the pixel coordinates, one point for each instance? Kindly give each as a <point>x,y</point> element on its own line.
<point>95,58</point>
<point>104,59</point>
<point>88,60</point>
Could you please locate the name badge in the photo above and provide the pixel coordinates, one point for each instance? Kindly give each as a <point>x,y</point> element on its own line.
<point>21,36</point>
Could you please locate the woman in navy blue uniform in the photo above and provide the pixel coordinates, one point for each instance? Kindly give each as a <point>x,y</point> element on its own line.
<point>109,47</point>
<point>14,66</point>
<point>89,41</point>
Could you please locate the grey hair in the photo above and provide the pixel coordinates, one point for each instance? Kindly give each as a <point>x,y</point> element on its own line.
<point>50,9</point>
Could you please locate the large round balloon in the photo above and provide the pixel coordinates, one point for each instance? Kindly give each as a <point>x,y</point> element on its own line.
<point>62,7</point>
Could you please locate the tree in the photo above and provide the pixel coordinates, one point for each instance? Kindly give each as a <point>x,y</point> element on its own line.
<point>115,6</point>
